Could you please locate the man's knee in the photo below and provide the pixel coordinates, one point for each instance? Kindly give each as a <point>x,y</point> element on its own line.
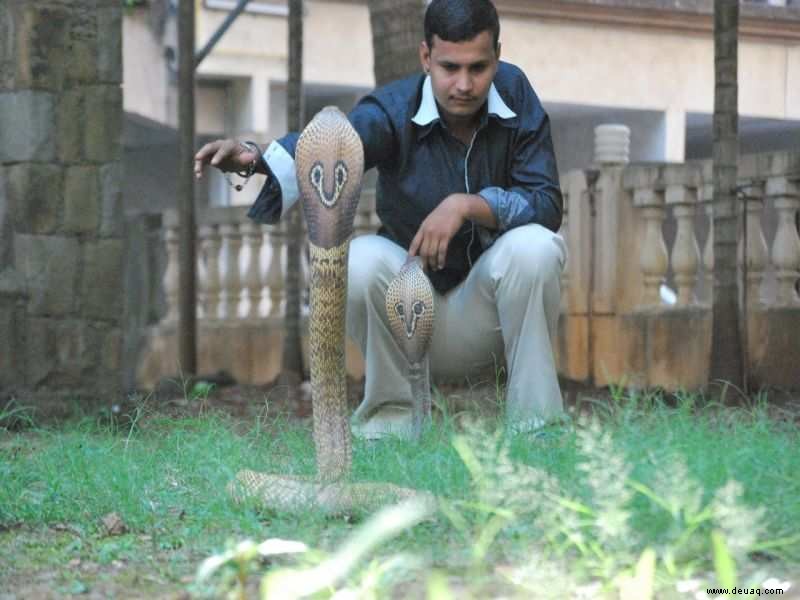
<point>531,252</point>
<point>369,266</point>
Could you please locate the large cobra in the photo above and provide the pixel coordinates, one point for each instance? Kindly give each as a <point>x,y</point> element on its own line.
<point>329,160</point>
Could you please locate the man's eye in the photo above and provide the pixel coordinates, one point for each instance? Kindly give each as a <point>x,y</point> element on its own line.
<point>451,68</point>
<point>477,69</point>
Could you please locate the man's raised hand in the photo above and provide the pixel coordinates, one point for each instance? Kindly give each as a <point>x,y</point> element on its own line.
<point>434,235</point>
<point>226,155</point>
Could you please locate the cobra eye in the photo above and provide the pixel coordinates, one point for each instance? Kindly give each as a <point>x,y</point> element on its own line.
<point>341,174</point>
<point>316,175</point>
<point>400,309</point>
<point>419,308</point>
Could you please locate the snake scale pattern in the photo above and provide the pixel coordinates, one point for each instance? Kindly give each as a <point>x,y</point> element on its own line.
<point>329,159</point>
<point>410,310</point>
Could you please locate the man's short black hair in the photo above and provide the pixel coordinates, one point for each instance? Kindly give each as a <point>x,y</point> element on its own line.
<point>460,20</point>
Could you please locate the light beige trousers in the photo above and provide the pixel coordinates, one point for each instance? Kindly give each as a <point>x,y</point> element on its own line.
<point>508,306</point>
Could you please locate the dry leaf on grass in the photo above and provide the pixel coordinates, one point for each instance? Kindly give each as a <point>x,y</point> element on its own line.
<point>114,525</point>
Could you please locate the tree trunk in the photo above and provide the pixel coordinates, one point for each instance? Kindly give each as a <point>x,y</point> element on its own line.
<point>187,292</point>
<point>726,340</point>
<point>397,31</point>
<point>292,364</point>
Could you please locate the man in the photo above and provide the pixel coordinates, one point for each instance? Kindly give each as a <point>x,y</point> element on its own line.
<point>467,181</point>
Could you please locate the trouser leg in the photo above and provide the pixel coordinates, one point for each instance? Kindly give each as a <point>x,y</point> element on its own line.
<point>373,263</point>
<point>524,267</point>
<point>508,306</point>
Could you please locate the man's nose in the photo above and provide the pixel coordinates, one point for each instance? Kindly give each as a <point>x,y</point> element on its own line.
<point>464,83</point>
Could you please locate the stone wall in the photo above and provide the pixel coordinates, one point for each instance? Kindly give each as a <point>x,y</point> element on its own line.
<point>61,248</point>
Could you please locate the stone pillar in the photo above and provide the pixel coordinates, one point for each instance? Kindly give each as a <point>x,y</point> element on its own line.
<point>612,144</point>
<point>674,135</point>
<point>60,198</point>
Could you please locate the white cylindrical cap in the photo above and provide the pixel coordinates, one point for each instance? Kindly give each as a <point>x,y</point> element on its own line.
<point>612,144</point>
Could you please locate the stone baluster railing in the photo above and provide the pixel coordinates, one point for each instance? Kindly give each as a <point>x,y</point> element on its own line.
<point>241,264</point>
<point>210,280</point>
<point>230,277</point>
<point>272,273</point>
<point>685,256</point>
<point>707,200</point>
<point>170,281</point>
<point>653,258</point>
<point>756,253</point>
<point>577,235</point>
<point>251,272</point>
<point>564,232</point>
<point>785,255</point>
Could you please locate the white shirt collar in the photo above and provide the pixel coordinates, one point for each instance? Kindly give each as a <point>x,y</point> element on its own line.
<point>428,112</point>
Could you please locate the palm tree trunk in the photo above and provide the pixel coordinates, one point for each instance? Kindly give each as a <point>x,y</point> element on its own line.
<point>396,34</point>
<point>726,341</point>
<point>292,364</point>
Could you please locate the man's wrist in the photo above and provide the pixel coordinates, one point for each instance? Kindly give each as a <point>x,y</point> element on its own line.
<point>261,164</point>
<point>476,208</point>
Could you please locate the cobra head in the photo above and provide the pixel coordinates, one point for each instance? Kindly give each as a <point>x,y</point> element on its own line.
<point>409,304</point>
<point>329,160</point>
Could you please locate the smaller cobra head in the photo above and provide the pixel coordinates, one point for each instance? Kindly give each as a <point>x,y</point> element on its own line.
<point>409,306</point>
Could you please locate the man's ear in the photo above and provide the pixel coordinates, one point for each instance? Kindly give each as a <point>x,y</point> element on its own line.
<point>425,56</point>
<point>499,47</point>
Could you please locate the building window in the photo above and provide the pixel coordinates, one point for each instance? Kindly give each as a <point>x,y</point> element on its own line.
<point>259,7</point>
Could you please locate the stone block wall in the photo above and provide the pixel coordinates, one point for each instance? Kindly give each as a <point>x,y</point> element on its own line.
<point>61,247</point>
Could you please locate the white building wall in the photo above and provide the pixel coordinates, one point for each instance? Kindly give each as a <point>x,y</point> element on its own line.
<point>585,73</point>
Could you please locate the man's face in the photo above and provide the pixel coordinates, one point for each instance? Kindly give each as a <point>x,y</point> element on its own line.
<point>461,73</point>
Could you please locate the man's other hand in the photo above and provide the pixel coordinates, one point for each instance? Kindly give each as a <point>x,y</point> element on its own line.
<point>436,231</point>
<point>226,155</point>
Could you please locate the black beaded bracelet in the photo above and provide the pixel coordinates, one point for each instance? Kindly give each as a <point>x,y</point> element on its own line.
<point>247,173</point>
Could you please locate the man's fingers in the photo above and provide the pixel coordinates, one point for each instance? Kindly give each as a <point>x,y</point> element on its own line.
<point>442,253</point>
<point>414,247</point>
<point>203,153</point>
<point>202,157</point>
<point>428,252</point>
<point>220,155</point>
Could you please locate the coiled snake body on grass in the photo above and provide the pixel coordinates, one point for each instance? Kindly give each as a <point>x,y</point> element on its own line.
<point>329,159</point>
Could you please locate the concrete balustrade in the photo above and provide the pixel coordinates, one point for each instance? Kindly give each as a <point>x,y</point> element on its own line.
<point>785,195</point>
<point>241,268</point>
<point>650,224</point>
<point>685,257</point>
<point>629,230</point>
<point>752,252</point>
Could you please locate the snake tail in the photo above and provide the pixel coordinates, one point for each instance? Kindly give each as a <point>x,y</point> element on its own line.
<point>294,494</point>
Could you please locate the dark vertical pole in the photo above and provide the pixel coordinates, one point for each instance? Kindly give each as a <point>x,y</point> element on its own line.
<point>292,349</point>
<point>187,297</point>
<point>726,338</point>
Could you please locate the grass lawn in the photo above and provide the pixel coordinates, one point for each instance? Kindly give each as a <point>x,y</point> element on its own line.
<point>634,494</point>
